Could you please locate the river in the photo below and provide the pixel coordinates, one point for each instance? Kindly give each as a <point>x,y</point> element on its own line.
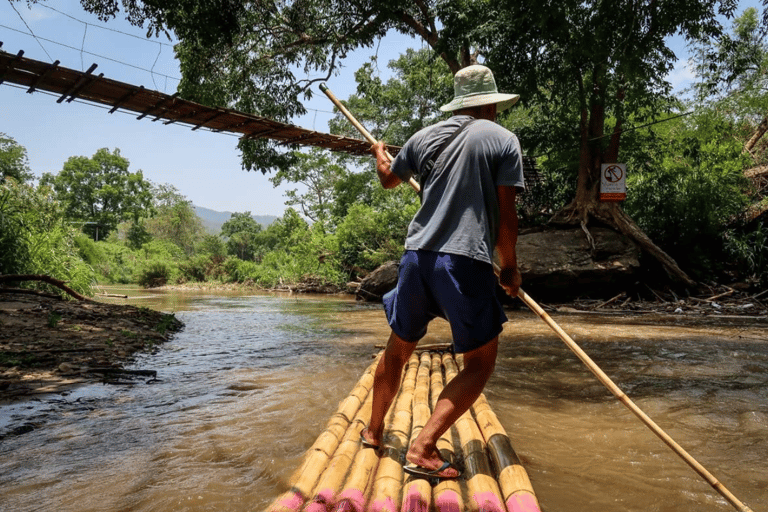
<point>248,385</point>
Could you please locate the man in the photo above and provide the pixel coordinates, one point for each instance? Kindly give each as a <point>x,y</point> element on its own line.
<point>468,210</point>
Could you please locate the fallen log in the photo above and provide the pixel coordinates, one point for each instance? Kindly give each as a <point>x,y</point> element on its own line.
<point>46,279</point>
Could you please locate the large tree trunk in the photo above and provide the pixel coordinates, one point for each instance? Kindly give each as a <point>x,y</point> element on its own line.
<point>587,202</point>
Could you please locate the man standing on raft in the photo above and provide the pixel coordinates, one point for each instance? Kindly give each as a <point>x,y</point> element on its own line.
<point>470,169</point>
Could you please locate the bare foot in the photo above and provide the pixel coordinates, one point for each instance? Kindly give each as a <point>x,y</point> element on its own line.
<point>368,439</point>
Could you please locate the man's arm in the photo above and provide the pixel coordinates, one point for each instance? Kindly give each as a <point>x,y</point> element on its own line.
<point>387,178</point>
<point>506,243</point>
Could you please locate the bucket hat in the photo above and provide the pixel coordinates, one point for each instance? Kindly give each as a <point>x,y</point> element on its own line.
<point>474,86</point>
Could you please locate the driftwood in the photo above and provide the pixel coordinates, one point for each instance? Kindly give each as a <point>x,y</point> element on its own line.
<point>46,279</point>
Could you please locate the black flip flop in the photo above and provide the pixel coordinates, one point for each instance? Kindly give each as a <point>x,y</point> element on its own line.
<point>423,472</point>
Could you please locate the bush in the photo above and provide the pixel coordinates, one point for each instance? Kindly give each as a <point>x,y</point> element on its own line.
<point>119,264</point>
<point>35,239</point>
<point>686,203</point>
<point>156,273</point>
<point>749,250</point>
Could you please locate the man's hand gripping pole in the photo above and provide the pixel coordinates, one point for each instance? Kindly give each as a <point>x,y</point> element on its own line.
<point>361,128</point>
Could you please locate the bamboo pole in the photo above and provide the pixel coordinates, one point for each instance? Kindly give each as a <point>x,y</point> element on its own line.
<point>389,477</point>
<point>624,399</point>
<point>516,489</point>
<point>483,493</point>
<point>361,128</point>
<point>417,492</point>
<point>308,473</point>
<point>357,487</point>
<point>447,494</point>
<point>329,485</point>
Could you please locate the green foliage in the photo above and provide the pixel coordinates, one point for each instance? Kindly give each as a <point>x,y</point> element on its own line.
<point>119,263</point>
<point>174,220</point>
<point>35,239</point>
<point>687,199</point>
<point>370,236</point>
<point>91,252</point>
<point>156,272</point>
<point>100,192</point>
<point>318,171</point>
<point>241,231</point>
<point>13,161</point>
<point>750,251</point>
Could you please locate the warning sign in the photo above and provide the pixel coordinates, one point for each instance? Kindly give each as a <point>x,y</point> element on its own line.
<point>613,185</point>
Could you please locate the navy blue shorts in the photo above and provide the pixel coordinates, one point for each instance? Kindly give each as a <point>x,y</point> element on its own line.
<point>459,289</point>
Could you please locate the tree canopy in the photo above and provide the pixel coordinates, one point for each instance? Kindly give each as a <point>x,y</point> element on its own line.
<point>99,191</point>
<point>13,160</point>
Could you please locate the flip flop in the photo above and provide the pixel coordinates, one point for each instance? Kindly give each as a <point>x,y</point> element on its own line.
<point>367,444</point>
<point>423,472</point>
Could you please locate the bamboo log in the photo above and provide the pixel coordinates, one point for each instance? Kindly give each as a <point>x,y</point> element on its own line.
<point>516,489</point>
<point>388,483</point>
<point>483,492</point>
<point>417,492</point>
<point>306,476</point>
<point>447,494</point>
<point>328,487</point>
<point>359,483</point>
<point>357,487</point>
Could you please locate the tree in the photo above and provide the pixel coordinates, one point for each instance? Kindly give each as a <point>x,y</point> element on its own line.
<point>319,172</point>
<point>99,192</point>
<point>731,75</point>
<point>594,66</point>
<point>174,219</point>
<point>241,231</point>
<point>13,160</point>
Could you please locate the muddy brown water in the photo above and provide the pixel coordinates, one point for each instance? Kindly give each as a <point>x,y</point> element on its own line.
<point>249,384</point>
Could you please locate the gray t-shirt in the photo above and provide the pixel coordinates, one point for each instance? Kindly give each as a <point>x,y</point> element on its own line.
<point>459,213</point>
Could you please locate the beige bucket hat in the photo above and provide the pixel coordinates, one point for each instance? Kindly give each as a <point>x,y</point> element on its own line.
<point>474,86</point>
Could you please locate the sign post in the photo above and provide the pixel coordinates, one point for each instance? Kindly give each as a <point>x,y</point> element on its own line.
<point>613,184</point>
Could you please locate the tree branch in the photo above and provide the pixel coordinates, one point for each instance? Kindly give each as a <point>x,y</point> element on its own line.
<point>46,279</point>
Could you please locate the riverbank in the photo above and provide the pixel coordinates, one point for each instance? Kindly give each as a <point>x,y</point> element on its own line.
<point>48,345</point>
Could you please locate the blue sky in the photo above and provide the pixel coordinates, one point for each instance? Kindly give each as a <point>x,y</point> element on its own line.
<point>203,166</point>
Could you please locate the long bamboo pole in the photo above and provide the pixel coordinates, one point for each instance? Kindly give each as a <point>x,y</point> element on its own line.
<point>483,492</point>
<point>447,494</point>
<point>618,393</point>
<point>389,477</point>
<point>417,492</point>
<point>306,476</point>
<point>360,127</point>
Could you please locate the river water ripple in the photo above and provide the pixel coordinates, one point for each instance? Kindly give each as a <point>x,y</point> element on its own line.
<point>248,385</point>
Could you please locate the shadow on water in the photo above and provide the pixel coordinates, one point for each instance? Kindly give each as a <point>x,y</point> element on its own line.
<point>248,385</point>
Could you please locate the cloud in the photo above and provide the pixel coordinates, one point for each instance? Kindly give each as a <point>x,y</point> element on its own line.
<point>682,76</point>
<point>37,13</point>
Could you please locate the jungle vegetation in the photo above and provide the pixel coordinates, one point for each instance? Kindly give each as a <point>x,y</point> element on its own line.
<point>696,159</point>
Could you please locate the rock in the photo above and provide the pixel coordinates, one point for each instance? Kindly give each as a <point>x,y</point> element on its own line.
<point>558,263</point>
<point>377,283</point>
<point>67,368</point>
<point>555,264</point>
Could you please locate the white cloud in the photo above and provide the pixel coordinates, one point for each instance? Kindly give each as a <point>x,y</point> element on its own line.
<point>682,76</point>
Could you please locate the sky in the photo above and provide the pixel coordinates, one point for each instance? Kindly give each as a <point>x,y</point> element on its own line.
<point>204,166</point>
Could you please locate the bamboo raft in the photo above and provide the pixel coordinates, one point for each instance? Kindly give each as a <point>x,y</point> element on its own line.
<point>338,475</point>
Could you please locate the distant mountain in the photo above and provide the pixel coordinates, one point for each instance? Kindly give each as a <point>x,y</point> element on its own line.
<point>213,220</point>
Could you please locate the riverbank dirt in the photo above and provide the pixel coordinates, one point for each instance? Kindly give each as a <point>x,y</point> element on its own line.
<point>48,345</point>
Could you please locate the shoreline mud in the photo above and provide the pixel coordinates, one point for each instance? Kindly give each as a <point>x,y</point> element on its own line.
<point>48,345</point>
